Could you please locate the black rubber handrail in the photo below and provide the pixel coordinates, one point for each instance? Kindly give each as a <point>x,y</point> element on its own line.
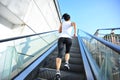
<point>20,37</point>
<point>108,44</point>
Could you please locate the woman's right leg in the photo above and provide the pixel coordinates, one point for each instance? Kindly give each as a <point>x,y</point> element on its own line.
<point>60,54</point>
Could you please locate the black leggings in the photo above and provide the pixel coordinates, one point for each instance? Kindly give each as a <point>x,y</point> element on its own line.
<point>61,42</point>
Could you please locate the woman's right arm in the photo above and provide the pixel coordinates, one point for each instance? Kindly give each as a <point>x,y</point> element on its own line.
<point>60,28</point>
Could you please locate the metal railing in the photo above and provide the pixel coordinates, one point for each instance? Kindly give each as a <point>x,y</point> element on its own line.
<point>109,34</point>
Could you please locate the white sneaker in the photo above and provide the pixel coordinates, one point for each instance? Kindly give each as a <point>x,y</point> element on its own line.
<point>58,74</point>
<point>66,66</point>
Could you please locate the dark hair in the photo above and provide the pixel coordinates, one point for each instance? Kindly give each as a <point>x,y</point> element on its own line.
<point>66,17</point>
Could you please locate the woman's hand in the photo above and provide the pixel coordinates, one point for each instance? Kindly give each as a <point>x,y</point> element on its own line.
<point>74,35</point>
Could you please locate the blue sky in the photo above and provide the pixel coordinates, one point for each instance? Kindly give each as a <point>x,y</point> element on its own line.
<point>91,15</point>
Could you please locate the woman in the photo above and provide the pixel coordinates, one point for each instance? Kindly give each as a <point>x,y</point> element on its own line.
<point>65,38</point>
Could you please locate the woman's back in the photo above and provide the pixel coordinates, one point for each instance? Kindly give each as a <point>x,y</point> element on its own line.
<point>66,29</point>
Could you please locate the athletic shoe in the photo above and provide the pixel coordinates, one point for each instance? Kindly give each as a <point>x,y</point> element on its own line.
<point>58,74</point>
<point>66,66</point>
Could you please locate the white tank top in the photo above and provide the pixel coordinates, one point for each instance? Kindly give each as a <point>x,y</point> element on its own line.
<point>66,29</point>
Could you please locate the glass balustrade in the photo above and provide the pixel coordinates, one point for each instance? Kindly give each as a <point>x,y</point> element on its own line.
<point>105,58</point>
<point>17,54</point>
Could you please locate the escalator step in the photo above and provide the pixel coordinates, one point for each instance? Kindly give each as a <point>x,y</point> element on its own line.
<point>49,74</point>
<point>74,51</point>
<point>74,68</point>
<point>75,55</point>
<point>74,60</point>
<point>40,79</point>
<point>72,55</point>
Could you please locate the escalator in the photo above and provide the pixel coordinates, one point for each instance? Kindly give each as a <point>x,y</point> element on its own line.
<point>47,66</point>
<point>91,59</point>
